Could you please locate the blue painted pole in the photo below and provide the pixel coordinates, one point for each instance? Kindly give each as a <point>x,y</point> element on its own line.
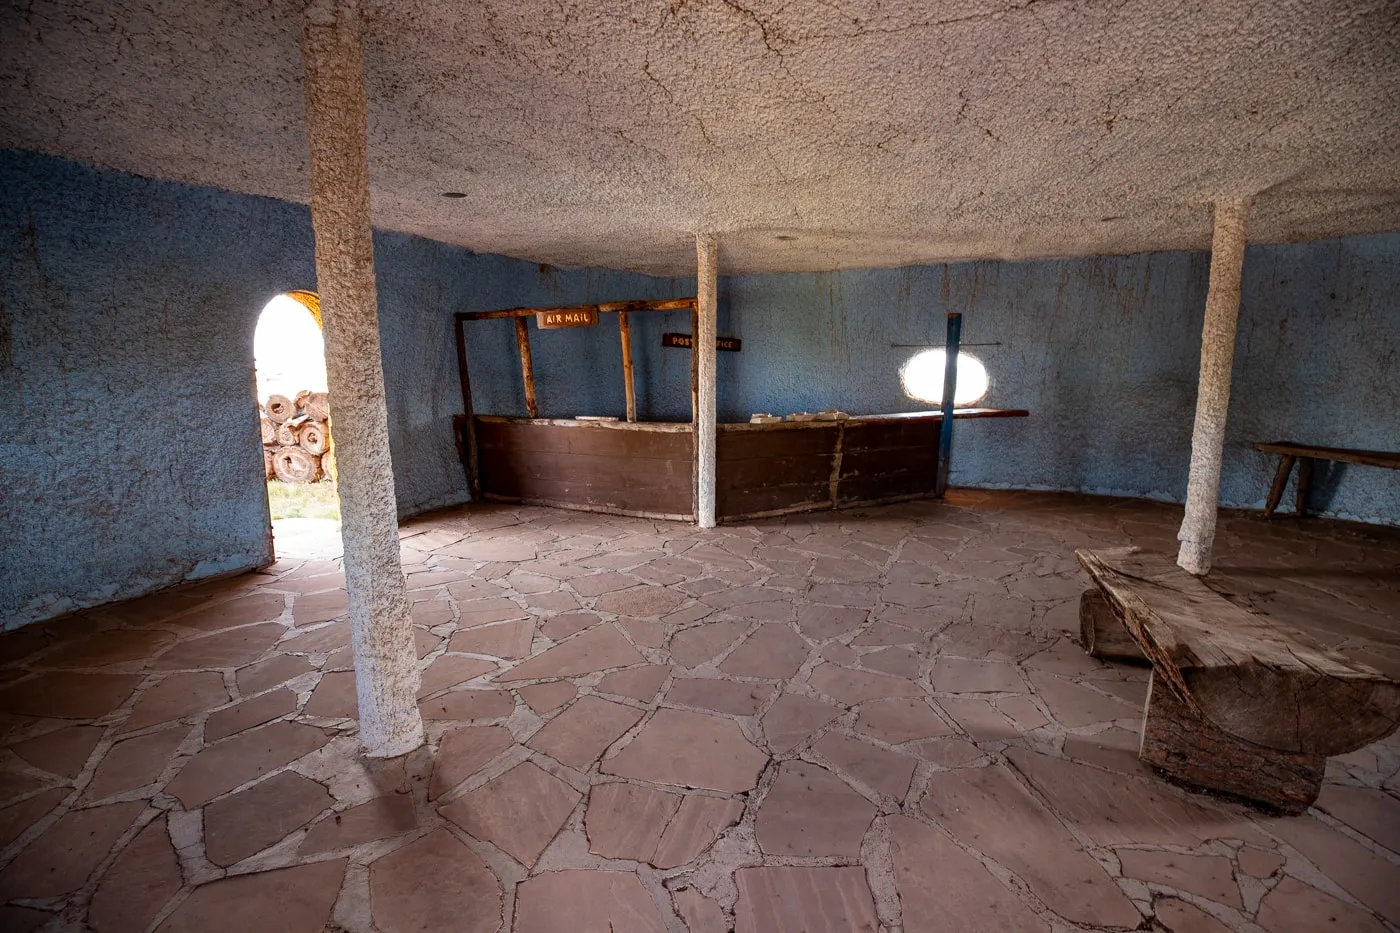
<point>950,384</point>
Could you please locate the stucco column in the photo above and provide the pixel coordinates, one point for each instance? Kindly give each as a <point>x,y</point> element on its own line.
<point>386,668</point>
<point>706,336</point>
<point>1213,396</point>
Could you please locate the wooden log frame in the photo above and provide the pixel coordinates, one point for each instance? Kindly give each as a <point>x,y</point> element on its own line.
<point>465,428</point>
<point>1239,703</point>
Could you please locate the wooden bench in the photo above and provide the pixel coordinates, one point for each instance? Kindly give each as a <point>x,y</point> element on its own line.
<point>1305,455</point>
<point>1237,703</point>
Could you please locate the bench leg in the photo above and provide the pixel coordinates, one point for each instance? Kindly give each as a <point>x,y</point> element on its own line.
<point>1285,466</point>
<point>1180,744</point>
<point>1305,472</point>
<point>1102,632</point>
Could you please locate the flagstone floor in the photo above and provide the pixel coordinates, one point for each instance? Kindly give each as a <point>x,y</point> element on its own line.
<point>859,721</point>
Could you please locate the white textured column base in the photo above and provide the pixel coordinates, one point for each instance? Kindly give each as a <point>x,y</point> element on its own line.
<point>1197,535</point>
<point>706,337</point>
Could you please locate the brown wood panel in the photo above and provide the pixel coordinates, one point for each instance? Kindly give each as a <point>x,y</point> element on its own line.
<point>764,471</point>
<point>884,459</point>
<point>586,465</point>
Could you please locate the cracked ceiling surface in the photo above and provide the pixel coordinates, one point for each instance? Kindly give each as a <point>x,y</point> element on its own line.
<point>809,134</point>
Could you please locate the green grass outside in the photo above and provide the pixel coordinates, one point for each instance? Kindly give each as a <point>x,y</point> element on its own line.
<point>303,500</point>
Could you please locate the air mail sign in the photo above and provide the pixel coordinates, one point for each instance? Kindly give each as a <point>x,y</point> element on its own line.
<point>684,342</point>
<point>575,317</point>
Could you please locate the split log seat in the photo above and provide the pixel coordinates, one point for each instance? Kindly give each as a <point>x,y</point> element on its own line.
<point>1237,703</point>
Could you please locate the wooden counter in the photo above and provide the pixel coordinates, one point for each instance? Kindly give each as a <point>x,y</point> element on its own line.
<point>647,468</point>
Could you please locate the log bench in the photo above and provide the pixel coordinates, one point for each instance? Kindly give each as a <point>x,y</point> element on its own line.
<point>1237,703</point>
<point>1304,455</point>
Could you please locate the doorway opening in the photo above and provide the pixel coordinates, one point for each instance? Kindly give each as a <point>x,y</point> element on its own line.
<point>295,420</point>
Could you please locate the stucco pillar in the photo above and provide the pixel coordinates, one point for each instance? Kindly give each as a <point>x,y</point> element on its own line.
<point>386,669</point>
<point>706,336</point>
<point>1213,396</point>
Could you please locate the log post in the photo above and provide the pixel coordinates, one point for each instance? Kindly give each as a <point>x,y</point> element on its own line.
<point>1179,743</point>
<point>950,391</point>
<point>1213,396</point>
<point>705,340</point>
<point>381,632</point>
<point>629,385</point>
<point>527,367</point>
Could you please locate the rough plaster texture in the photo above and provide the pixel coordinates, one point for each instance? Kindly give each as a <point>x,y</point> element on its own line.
<point>1105,352</point>
<point>877,133</point>
<point>127,311</point>
<point>381,629</point>
<point>707,310</point>
<point>1218,332</point>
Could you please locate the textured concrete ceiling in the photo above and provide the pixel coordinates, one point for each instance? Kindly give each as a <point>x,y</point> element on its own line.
<point>809,134</point>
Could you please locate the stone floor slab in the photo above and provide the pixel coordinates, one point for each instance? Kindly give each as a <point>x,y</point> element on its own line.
<point>334,696</point>
<point>64,855</point>
<point>434,883</point>
<point>696,825</point>
<point>233,648</point>
<point>810,812</point>
<point>598,649</point>
<point>688,749</point>
<point>63,751</point>
<point>1116,809</point>
<point>449,670</point>
<point>18,817</point>
<point>177,697</point>
<point>223,766</point>
<point>1294,907</point>
<point>900,720</point>
<point>701,915</point>
<point>626,820</point>
<point>105,649</point>
<point>698,644</point>
<point>249,821</point>
<point>1178,916</point>
<point>142,880</point>
<point>853,687</point>
<point>641,602</point>
<point>134,763</point>
<point>880,770</point>
<point>585,901</point>
<point>547,697</point>
<point>638,683</point>
<point>960,675</point>
<point>276,670</point>
<point>1210,876</point>
<point>721,696</point>
<point>263,708</point>
<point>774,651</point>
<point>804,900</point>
<point>518,812</point>
<point>380,818</point>
<point>941,887</point>
<point>793,718</point>
<point>988,810</point>
<point>468,704</point>
<point>578,736</point>
<point>508,640</point>
<point>1358,871</point>
<point>289,900</point>
<point>68,695</point>
<point>463,752</point>
<point>1367,810</point>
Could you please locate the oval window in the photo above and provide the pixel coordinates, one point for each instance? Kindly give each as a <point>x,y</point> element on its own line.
<point>922,377</point>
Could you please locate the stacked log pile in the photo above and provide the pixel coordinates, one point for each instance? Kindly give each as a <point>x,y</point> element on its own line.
<point>296,437</point>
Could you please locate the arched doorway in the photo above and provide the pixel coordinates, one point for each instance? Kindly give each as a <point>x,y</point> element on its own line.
<point>294,417</point>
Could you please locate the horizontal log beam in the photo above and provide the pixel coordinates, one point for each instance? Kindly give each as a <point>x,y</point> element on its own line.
<point>608,307</point>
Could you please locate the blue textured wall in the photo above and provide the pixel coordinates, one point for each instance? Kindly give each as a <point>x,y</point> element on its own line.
<point>128,452</point>
<point>128,430</point>
<point>1103,351</point>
